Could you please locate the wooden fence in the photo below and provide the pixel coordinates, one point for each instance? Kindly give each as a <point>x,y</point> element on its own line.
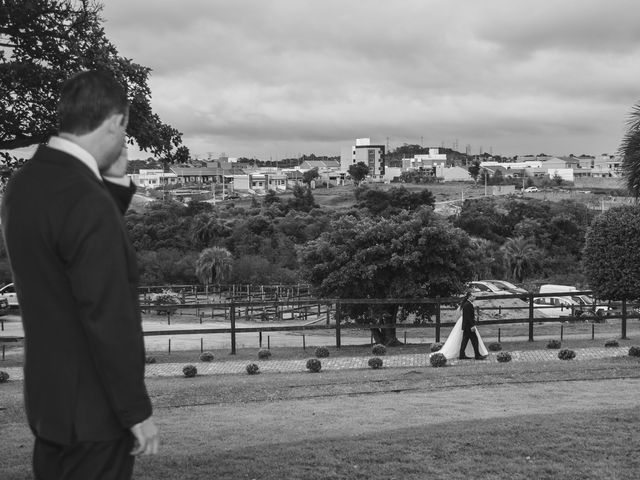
<point>331,312</point>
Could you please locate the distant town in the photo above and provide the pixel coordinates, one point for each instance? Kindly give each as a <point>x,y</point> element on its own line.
<point>232,177</point>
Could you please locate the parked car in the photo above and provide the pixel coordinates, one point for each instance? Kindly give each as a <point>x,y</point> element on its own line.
<point>508,287</point>
<point>586,304</point>
<point>558,306</point>
<point>480,286</point>
<point>531,189</point>
<point>8,292</point>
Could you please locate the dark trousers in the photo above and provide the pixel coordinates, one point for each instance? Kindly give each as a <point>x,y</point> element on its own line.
<point>109,460</point>
<point>466,336</point>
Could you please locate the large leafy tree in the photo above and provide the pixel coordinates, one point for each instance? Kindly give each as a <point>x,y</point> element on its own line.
<point>409,255</point>
<point>358,172</point>
<point>42,43</point>
<point>611,255</point>
<point>630,151</point>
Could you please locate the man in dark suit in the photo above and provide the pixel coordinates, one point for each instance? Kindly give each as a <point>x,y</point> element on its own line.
<point>76,278</point>
<point>469,328</point>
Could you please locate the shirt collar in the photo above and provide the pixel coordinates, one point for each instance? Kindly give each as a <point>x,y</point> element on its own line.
<point>75,150</point>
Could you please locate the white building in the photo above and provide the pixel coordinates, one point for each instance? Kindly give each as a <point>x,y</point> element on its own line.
<point>153,178</point>
<point>373,156</point>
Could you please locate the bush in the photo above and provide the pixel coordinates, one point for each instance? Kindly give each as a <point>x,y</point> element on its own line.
<point>166,301</point>
<point>495,347</point>
<point>206,357</point>
<point>566,354</point>
<point>190,371</point>
<point>436,347</point>
<point>149,359</point>
<point>375,362</point>
<point>4,377</point>
<point>503,357</point>
<point>634,351</point>
<point>379,349</point>
<point>252,369</point>
<point>322,352</point>
<point>611,343</point>
<point>554,344</point>
<point>314,365</point>
<point>264,354</point>
<point>438,360</point>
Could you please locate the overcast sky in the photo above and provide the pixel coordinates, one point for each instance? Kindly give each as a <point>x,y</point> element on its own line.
<point>280,78</point>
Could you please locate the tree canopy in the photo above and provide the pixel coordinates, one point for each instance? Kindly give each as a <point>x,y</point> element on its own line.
<point>630,150</point>
<point>611,256</point>
<point>44,42</point>
<point>409,255</point>
<point>358,172</point>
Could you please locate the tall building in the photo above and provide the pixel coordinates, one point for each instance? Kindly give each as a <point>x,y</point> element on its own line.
<point>372,156</point>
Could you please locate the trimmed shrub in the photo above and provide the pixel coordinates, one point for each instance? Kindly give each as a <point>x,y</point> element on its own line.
<point>566,354</point>
<point>190,371</point>
<point>322,352</point>
<point>206,357</point>
<point>4,377</point>
<point>149,359</point>
<point>436,347</point>
<point>494,347</point>
<point>166,301</point>
<point>634,351</point>
<point>314,365</point>
<point>379,349</point>
<point>252,369</point>
<point>503,357</point>
<point>554,344</point>
<point>438,360</point>
<point>264,354</point>
<point>611,343</point>
<point>375,362</point>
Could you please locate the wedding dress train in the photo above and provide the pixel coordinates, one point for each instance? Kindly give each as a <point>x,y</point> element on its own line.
<point>451,347</point>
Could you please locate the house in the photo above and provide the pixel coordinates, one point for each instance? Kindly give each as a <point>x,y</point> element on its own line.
<point>153,178</point>
<point>259,183</point>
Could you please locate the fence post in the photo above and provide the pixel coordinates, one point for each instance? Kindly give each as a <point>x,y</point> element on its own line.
<point>260,338</point>
<point>338,315</point>
<point>531,317</point>
<point>438,319</point>
<point>624,320</point>
<point>232,309</point>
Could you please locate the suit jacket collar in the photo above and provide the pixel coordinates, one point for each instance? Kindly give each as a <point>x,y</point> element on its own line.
<point>65,160</point>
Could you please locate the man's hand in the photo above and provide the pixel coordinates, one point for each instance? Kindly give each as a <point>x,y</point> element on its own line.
<point>473,329</point>
<point>147,440</point>
<point>119,167</point>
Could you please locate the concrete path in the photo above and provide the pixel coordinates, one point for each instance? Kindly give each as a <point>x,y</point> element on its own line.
<point>273,365</point>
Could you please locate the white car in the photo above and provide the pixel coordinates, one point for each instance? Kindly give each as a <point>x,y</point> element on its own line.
<point>8,292</point>
<point>554,307</point>
<point>531,189</point>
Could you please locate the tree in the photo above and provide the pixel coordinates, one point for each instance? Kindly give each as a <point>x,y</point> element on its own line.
<point>409,255</point>
<point>309,176</point>
<point>521,257</point>
<point>630,151</point>
<point>611,255</point>
<point>358,172</point>
<point>474,170</point>
<point>46,41</point>
<point>213,264</point>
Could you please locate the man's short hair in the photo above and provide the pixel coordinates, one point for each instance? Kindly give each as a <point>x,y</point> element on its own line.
<point>87,99</point>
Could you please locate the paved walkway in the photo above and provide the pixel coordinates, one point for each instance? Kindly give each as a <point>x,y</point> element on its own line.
<point>273,365</point>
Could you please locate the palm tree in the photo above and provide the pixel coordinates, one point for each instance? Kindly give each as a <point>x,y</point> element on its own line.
<point>630,151</point>
<point>521,257</point>
<point>213,264</point>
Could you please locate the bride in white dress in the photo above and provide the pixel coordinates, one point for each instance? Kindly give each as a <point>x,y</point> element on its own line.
<point>451,347</point>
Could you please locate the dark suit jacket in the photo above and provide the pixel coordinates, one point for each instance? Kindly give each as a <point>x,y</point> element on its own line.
<point>468,316</point>
<point>76,277</point>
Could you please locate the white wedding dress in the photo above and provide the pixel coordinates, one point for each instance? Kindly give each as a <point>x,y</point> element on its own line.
<point>451,348</point>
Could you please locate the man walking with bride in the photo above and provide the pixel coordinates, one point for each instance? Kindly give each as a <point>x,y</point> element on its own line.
<point>465,330</point>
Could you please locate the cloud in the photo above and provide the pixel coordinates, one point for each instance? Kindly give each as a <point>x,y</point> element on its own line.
<point>251,75</point>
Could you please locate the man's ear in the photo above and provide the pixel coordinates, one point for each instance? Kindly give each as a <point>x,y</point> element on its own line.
<point>116,121</point>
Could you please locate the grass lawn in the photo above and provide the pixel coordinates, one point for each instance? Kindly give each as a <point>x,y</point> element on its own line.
<point>547,420</point>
